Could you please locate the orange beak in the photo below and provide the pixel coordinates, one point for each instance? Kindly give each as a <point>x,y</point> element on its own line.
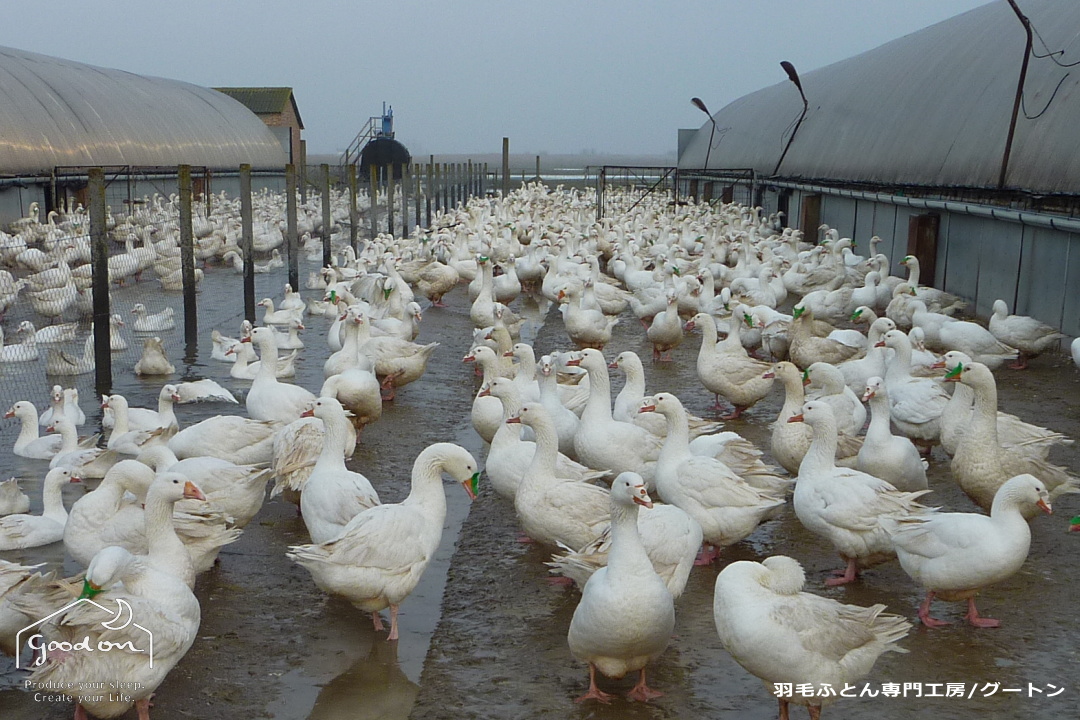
<point>468,358</point>
<point>796,418</point>
<point>75,479</point>
<point>246,339</point>
<point>768,376</point>
<point>508,353</point>
<point>613,366</point>
<point>514,419</point>
<point>647,408</point>
<point>191,492</point>
<point>574,362</point>
<point>1045,507</point>
<point>308,413</point>
<point>11,413</point>
<point>879,343</point>
<point>939,365</point>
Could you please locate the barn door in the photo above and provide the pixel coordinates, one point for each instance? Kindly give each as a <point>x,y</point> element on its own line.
<point>922,243</point>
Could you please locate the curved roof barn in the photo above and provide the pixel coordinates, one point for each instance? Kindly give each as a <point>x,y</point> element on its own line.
<point>57,113</point>
<point>931,109</point>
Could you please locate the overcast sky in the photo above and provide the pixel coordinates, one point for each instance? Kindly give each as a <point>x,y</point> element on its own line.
<point>555,76</point>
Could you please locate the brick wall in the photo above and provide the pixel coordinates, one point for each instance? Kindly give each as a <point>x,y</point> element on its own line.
<point>286,119</point>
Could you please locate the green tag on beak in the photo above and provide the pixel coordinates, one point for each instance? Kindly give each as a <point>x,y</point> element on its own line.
<point>956,371</point>
<point>806,376</point>
<point>856,315</point>
<point>474,483</point>
<point>484,258</point>
<point>89,590</point>
<point>675,271</point>
<point>333,296</point>
<point>386,292</point>
<point>748,320</point>
<point>797,312</point>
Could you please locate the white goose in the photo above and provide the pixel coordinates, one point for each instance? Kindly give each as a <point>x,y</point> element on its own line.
<point>842,505</point>
<point>1022,332</point>
<point>227,437</point>
<point>269,399</point>
<point>981,464</point>
<point>726,507</point>
<point>28,444</point>
<point>954,555</point>
<point>892,458</point>
<point>29,531</point>
<point>1012,431</point>
<point>144,322</point>
<point>154,360</point>
<point>509,454</point>
<point>91,462</point>
<point>382,553</point>
<point>789,638</point>
<point>333,495</point>
<point>724,368</point>
<point>626,615</point>
<point>602,442</point>
<point>553,509</point>
<point>13,501</point>
<point>164,606</point>
<point>916,404</point>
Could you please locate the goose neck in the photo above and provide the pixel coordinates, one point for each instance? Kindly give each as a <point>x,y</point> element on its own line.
<point>822,453</point>
<point>547,447</point>
<point>598,406</point>
<point>677,443</point>
<point>627,551</point>
<point>879,418</point>
<point>28,428</point>
<point>52,500</point>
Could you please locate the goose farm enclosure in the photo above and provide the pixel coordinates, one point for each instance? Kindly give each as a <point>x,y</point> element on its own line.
<point>483,633</point>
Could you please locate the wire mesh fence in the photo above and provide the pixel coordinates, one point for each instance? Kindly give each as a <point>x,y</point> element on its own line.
<point>47,283</point>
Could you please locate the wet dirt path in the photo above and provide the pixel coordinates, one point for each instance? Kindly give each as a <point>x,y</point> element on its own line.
<point>484,635</point>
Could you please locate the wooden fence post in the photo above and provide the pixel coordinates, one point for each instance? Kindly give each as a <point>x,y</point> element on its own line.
<point>292,241</point>
<point>187,264</point>
<point>247,242</point>
<point>100,256</point>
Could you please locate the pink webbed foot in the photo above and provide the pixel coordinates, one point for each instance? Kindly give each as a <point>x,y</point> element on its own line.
<point>524,539</point>
<point>976,620</point>
<point>393,623</point>
<point>847,575</point>
<point>143,708</point>
<point>707,555</point>
<point>376,620</point>
<point>642,692</point>
<point>924,613</point>
<point>734,414</point>
<point>594,692</point>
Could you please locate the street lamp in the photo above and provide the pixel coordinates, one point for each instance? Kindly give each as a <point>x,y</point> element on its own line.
<point>793,76</point>
<point>701,106</point>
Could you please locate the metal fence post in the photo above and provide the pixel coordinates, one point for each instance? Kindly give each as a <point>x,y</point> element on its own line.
<point>292,241</point>
<point>100,255</point>
<point>390,199</point>
<point>417,171</point>
<point>247,242</point>
<point>354,214</point>
<point>405,183</point>
<point>187,264</point>
<point>427,196</point>
<point>326,219</point>
<point>374,212</point>
<point>506,167</point>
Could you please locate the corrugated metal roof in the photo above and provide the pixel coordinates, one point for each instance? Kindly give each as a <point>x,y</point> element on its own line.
<point>931,108</point>
<point>56,112</point>
<point>264,100</point>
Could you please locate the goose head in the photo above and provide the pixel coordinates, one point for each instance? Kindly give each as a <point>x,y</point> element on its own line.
<point>629,489</point>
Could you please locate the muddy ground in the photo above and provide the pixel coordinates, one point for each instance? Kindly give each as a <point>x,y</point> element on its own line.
<point>484,635</point>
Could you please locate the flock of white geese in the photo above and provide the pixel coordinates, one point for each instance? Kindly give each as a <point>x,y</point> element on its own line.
<point>629,493</point>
